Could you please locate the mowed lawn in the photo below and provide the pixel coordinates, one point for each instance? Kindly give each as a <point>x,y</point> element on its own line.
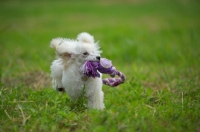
<point>156,44</point>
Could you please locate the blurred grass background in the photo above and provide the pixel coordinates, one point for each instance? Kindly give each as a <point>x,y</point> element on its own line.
<point>155,43</point>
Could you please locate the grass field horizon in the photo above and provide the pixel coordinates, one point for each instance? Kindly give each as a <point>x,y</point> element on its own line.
<point>156,44</point>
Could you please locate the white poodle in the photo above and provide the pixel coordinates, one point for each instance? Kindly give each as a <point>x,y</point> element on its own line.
<point>66,69</point>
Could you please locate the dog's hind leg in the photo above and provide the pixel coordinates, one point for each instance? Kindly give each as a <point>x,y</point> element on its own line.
<point>56,74</point>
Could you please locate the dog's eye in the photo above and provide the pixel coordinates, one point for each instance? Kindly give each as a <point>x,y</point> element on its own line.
<point>86,53</point>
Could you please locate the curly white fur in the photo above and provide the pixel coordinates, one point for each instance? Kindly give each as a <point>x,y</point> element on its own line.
<point>66,69</point>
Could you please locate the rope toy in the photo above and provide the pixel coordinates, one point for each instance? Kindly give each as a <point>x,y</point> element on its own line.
<point>92,69</point>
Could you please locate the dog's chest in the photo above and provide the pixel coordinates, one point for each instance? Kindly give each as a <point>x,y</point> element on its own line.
<point>73,78</point>
<point>73,81</point>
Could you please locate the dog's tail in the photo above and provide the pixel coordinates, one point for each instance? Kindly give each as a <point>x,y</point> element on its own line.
<point>55,42</point>
<point>85,37</point>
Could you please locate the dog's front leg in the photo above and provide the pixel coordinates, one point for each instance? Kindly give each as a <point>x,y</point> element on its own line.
<point>95,101</point>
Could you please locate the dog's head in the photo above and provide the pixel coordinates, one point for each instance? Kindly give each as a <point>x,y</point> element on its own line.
<point>81,50</point>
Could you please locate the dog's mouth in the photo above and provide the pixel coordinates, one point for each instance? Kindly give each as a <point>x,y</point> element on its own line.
<point>97,59</point>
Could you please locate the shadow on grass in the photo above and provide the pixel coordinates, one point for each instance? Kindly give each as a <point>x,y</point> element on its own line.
<point>79,105</point>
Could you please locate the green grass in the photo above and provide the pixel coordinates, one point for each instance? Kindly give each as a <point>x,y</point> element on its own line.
<point>155,44</point>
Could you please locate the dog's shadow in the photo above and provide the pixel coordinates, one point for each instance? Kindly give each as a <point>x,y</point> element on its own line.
<point>79,105</point>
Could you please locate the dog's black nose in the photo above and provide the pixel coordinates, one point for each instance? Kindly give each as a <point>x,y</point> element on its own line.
<point>98,57</point>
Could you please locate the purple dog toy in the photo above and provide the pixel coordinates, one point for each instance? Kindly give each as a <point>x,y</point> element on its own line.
<point>92,69</point>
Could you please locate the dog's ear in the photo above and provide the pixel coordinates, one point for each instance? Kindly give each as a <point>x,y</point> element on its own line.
<point>65,51</point>
<point>85,38</point>
<point>55,42</point>
<point>67,55</point>
<point>61,49</point>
